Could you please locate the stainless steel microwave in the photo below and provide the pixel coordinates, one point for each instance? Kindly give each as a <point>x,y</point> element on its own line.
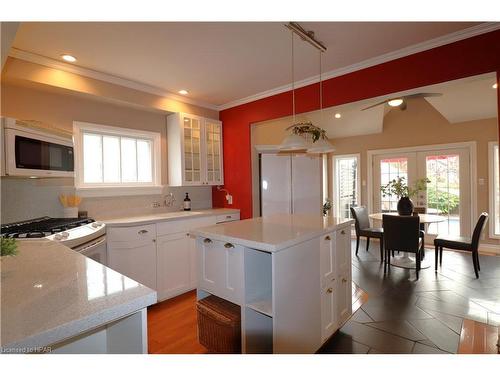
<point>32,152</point>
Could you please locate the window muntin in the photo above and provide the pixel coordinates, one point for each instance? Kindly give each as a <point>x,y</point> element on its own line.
<point>346,185</point>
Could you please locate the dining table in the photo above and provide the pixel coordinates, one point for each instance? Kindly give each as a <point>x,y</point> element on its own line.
<point>407,260</point>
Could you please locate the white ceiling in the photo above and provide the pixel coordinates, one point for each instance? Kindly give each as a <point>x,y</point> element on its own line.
<point>220,62</point>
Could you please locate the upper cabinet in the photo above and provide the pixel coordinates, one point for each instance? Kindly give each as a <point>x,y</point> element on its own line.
<point>194,150</point>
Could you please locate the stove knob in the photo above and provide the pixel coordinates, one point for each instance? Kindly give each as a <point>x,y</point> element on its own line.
<point>58,237</point>
<point>64,234</point>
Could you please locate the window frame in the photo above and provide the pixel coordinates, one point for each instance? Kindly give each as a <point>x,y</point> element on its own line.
<point>335,179</point>
<point>100,189</point>
<point>491,188</point>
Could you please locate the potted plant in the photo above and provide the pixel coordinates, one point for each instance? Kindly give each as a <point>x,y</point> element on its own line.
<point>8,247</point>
<point>327,206</point>
<point>400,189</point>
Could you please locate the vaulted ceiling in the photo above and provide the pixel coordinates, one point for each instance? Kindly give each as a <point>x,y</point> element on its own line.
<point>220,63</point>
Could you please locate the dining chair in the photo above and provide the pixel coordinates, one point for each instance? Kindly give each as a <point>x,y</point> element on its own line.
<point>402,233</point>
<point>363,229</point>
<point>462,243</point>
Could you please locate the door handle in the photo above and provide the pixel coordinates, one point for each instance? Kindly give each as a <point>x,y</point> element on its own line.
<point>207,240</point>
<point>142,231</point>
<point>228,245</point>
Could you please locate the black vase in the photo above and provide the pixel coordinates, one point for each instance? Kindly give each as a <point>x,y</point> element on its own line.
<point>405,206</point>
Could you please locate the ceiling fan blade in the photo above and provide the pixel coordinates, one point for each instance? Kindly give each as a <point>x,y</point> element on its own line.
<point>423,95</point>
<point>374,105</point>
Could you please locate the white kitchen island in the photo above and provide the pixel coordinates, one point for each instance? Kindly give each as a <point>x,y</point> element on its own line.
<point>55,300</point>
<point>290,274</point>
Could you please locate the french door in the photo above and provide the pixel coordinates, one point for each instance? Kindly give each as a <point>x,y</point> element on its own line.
<point>448,192</point>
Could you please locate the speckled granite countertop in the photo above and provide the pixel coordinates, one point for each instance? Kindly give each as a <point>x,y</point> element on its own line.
<point>50,293</point>
<point>167,216</point>
<point>273,233</point>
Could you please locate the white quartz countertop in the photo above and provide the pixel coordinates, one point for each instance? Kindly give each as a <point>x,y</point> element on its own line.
<point>50,293</point>
<point>166,216</point>
<point>273,233</point>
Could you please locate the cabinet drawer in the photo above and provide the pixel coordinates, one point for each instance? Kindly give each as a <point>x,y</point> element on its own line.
<point>184,225</point>
<point>227,217</point>
<point>130,234</point>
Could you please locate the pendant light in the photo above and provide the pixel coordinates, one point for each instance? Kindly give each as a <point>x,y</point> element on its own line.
<point>293,141</point>
<point>321,145</point>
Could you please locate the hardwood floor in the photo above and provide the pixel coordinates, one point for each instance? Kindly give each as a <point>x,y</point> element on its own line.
<point>172,326</point>
<point>478,337</point>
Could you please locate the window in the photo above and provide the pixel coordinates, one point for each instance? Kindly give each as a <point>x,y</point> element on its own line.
<point>109,157</point>
<point>391,169</point>
<point>494,187</point>
<point>347,190</point>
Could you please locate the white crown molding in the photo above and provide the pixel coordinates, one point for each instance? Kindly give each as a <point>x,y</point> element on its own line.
<point>470,32</point>
<point>70,68</point>
<point>432,43</point>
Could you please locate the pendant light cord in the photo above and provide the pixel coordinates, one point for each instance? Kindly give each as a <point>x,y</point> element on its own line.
<point>293,81</point>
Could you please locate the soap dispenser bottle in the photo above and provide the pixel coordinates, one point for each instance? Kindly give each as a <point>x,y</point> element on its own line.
<point>187,203</point>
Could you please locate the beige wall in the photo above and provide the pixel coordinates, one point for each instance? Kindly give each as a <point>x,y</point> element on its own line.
<point>419,125</point>
<point>22,198</point>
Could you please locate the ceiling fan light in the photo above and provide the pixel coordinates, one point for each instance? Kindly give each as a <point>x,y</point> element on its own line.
<point>321,146</point>
<point>395,102</point>
<point>293,142</point>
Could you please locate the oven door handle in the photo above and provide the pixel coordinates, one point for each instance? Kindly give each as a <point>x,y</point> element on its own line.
<point>91,244</point>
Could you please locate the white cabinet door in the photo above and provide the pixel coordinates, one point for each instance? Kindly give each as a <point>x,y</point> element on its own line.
<point>344,280</point>
<point>173,265</point>
<point>328,311</point>
<point>135,259</point>
<point>213,152</point>
<point>193,139</point>
<point>220,270</point>
<point>327,259</point>
<point>307,185</point>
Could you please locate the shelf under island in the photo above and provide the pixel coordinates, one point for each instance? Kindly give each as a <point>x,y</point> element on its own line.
<point>290,274</point>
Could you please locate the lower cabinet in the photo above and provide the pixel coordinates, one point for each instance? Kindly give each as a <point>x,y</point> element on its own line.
<point>328,311</point>
<point>220,270</point>
<point>136,259</point>
<point>173,265</point>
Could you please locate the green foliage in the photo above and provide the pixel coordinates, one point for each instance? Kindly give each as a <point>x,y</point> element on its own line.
<point>399,187</point>
<point>8,246</point>
<point>444,201</point>
<point>327,206</point>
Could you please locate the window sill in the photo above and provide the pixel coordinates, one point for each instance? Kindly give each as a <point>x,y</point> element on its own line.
<point>118,191</point>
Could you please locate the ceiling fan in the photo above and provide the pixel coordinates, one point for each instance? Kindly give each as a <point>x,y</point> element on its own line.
<point>401,101</point>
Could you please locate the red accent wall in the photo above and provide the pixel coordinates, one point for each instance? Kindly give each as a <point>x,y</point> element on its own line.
<point>477,55</point>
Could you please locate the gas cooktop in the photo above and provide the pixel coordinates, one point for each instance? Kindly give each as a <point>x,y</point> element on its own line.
<point>41,227</point>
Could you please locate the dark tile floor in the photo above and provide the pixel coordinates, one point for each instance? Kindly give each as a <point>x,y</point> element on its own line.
<point>404,315</point>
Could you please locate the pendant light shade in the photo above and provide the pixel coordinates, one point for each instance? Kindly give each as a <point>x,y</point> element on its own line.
<point>293,142</point>
<point>320,146</point>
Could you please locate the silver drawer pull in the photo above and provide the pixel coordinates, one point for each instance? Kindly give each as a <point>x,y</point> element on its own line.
<point>142,231</point>
<point>228,217</point>
<point>328,238</point>
<point>207,240</point>
<point>228,245</point>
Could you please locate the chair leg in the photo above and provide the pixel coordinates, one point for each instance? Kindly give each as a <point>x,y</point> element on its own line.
<point>474,262</point>
<point>386,252</point>
<point>357,244</point>
<point>418,262</point>
<point>381,250</point>
<point>436,254</point>
<point>367,243</point>
<point>477,261</point>
<point>441,256</point>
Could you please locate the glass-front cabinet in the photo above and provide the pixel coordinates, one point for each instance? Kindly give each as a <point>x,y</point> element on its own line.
<point>194,150</point>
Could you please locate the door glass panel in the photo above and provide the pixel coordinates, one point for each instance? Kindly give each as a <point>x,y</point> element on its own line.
<point>443,193</point>
<point>391,169</point>
<point>346,185</point>
<point>192,154</point>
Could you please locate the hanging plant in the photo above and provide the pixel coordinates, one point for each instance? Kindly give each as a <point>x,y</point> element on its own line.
<point>302,128</point>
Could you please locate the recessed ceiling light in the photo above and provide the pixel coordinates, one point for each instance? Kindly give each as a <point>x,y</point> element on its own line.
<point>338,115</point>
<point>183,92</point>
<point>395,102</point>
<point>495,86</point>
<point>68,58</point>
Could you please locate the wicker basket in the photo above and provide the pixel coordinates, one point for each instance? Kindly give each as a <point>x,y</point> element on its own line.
<point>219,325</point>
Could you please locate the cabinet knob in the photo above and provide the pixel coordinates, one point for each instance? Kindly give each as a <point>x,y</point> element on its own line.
<point>207,240</point>
<point>344,280</point>
<point>329,290</point>
<point>142,231</point>
<point>228,245</point>
<point>328,238</point>
<point>154,239</point>
<point>342,231</point>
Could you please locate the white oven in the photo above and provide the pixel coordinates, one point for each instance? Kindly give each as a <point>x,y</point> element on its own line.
<point>95,249</point>
<point>31,152</point>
